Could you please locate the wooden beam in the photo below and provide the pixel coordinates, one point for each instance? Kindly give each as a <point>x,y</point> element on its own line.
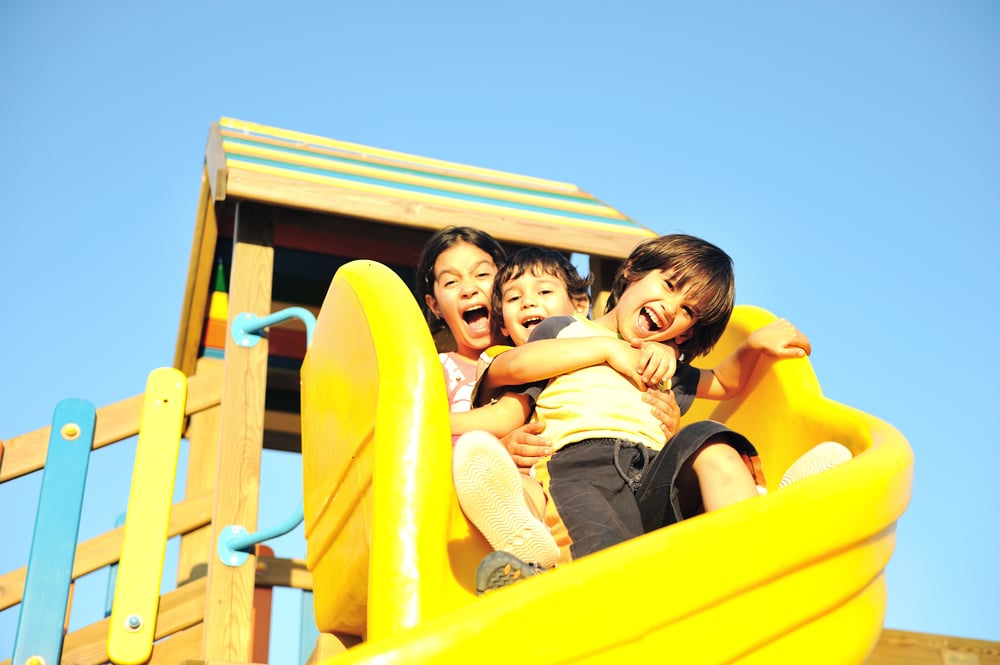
<point>601,240</point>
<point>200,273</point>
<point>291,573</point>
<point>203,449</point>
<point>898,647</point>
<point>180,609</point>
<point>229,600</point>
<point>104,550</point>
<point>115,422</point>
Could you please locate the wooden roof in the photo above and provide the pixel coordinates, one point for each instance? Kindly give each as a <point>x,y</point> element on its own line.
<point>267,164</point>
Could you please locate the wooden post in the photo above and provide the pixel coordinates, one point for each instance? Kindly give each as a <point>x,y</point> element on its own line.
<point>203,451</point>
<point>229,597</point>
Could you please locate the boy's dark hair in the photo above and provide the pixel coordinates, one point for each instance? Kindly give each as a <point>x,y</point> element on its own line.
<point>538,261</point>
<point>433,248</point>
<point>697,263</point>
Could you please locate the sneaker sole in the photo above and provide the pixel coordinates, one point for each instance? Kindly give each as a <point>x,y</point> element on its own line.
<point>500,569</point>
<point>820,458</point>
<point>491,494</point>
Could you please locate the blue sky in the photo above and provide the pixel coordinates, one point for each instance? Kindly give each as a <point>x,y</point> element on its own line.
<point>845,153</point>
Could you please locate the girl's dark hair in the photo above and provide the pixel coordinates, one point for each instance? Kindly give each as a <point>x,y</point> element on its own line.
<point>538,261</point>
<point>696,263</point>
<point>438,243</point>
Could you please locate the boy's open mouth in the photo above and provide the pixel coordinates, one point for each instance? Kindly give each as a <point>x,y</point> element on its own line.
<point>477,318</point>
<point>528,324</point>
<point>648,320</point>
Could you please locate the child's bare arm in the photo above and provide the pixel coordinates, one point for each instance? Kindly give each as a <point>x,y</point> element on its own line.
<point>779,339</point>
<point>547,358</point>
<point>498,418</point>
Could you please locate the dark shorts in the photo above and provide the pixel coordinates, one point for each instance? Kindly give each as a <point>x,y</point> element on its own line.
<point>605,491</point>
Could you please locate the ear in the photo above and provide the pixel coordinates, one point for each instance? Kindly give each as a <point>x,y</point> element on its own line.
<point>432,305</point>
<point>582,304</point>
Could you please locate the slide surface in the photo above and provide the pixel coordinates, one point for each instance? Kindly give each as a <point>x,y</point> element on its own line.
<point>798,572</point>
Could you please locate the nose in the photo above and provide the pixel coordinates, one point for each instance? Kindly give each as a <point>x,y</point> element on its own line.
<point>670,304</point>
<point>468,287</point>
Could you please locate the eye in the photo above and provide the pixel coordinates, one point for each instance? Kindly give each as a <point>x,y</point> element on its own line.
<point>545,292</point>
<point>669,284</point>
<point>512,298</point>
<point>449,282</point>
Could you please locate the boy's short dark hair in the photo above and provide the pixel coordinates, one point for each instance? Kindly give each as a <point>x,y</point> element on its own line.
<point>538,261</point>
<point>698,263</point>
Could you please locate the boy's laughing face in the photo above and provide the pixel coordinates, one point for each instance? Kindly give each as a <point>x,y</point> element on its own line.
<point>530,299</point>
<point>656,309</point>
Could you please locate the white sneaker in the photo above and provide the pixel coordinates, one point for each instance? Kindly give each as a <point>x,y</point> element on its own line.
<point>818,459</point>
<point>492,496</point>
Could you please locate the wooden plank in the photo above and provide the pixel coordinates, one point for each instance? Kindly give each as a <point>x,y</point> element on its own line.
<point>199,277</point>
<point>898,647</point>
<point>179,609</point>
<point>42,619</point>
<point>291,573</point>
<point>405,181</point>
<point>137,591</point>
<point>234,127</point>
<point>103,550</point>
<point>602,240</point>
<point>203,451</point>
<point>178,647</point>
<point>26,453</point>
<point>230,592</point>
<point>261,610</point>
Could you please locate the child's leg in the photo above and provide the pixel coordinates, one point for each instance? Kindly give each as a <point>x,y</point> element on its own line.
<point>704,466</point>
<point>591,505</point>
<point>723,478</point>
<point>494,496</point>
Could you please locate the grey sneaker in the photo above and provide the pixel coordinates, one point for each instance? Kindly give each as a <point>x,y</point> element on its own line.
<point>816,460</point>
<point>500,569</point>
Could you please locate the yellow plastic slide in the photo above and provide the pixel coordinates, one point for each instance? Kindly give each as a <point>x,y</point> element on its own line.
<point>794,576</point>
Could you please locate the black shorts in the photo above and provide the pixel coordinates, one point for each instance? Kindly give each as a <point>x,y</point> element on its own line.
<point>605,491</point>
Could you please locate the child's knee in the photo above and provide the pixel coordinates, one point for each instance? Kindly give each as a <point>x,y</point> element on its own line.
<point>721,462</point>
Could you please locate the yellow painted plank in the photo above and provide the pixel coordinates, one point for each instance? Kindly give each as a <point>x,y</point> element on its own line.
<point>137,592</point>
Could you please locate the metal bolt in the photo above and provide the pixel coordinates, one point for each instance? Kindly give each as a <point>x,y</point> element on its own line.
<point>34,660</point>
<point>70,431</point>
<point>133,623</point>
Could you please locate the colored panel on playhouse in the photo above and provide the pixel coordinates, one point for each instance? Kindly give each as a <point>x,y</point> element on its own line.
<point>57,524</point>
<point>137,592</point>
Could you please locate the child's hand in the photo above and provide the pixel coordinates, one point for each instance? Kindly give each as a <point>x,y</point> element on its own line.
<point>663,405</point>
<point>657,361</point>
<point>525,445</point>
<point>780,339</point>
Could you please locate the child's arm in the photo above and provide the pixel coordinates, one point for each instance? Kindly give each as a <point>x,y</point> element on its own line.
<point>780,339</point>
<point>499,418</point>
<point>547,358</point>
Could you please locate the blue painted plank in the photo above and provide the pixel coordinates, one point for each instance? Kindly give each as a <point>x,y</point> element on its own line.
<point>57,525</point>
